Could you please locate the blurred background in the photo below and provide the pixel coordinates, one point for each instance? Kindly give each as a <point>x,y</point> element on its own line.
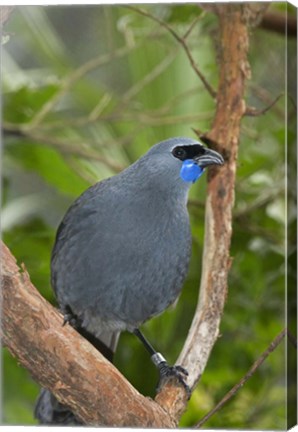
<point>86,90</point>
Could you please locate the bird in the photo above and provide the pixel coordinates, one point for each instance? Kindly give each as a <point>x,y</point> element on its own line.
<point>122,253</point>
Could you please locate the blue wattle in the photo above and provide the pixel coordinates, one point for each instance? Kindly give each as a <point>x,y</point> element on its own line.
<point>190,171</point>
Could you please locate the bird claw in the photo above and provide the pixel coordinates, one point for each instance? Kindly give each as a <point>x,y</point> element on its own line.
<point>169,373</point>
<point>70,318</point>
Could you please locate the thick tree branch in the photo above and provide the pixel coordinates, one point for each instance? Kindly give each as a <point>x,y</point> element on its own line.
<point>234,21</point>
<point>281,23</point>
<point>64,362</point>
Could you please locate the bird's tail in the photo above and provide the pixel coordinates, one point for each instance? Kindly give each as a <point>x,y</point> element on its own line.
<point>48,410</point>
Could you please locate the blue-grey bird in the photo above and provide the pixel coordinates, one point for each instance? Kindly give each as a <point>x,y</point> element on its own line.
<point>122,253</point>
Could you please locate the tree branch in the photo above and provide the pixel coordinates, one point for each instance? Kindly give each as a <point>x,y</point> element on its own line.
<point>65,146</point>
<point>224,136</point>
<point>72,78</point>
<point>181,41</point>
<point>64,362</point>
<point>284,24</point>
<point>254,112</point>
<point>274,344</point>
<point>149,77</point>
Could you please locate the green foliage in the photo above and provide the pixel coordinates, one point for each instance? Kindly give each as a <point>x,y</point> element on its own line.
<point>76,124</point>
<point>40,241</point>
<point>22,105</point>
<point>41,159</point>
<point>183,13</point>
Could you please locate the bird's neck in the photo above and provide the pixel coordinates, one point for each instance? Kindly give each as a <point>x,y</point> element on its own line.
<point>159,184</point>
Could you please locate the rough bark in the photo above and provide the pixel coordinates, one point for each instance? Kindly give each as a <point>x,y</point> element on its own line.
<point>64,362</point>
<point>234,22</point>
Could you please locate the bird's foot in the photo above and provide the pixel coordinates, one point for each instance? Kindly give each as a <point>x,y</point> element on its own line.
<point>169,373</point>
<point>70,318</point>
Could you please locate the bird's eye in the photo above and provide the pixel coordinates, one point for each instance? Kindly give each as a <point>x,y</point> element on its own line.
<point>179,153</point>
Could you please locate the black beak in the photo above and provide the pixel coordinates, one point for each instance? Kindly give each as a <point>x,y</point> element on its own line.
<point>210,157</point>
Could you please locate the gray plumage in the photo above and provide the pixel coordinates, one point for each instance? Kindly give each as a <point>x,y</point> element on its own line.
<point>123,248</point>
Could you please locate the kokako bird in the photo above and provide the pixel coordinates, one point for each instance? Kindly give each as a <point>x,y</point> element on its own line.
<point>122,253</point>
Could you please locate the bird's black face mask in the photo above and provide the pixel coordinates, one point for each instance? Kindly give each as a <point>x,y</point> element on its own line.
<point>195,159</point>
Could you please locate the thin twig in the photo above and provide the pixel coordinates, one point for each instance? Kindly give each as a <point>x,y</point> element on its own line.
<point>158,121</point>
<point>176,99</point>
<point>256,230</point>
<point>141,84</point>
<point>76,166</point>
<point>253,112</point>
<point>265,96</point>
<point>196,203</point>
<point>274,344</point>
<point>262,201</point>
<point>75,76</point>
<point>152,118</point>
<point>64,145</point>
<point>148,78</point>
<point>100,106</point>
<point>181,41</point>
<point>192,25</point>
<point>147,14</point>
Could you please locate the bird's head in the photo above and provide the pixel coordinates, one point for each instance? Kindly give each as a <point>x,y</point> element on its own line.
<point>195,158</point>
<point>181,159</point>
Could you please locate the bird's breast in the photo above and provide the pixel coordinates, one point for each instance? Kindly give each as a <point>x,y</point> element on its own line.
<point>123,263</point>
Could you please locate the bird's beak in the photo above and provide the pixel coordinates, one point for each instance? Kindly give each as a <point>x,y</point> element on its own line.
<point>210,157</point>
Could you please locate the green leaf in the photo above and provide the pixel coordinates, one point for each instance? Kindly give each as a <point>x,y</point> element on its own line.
<point>50,165</point>
<point>22,105</point>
